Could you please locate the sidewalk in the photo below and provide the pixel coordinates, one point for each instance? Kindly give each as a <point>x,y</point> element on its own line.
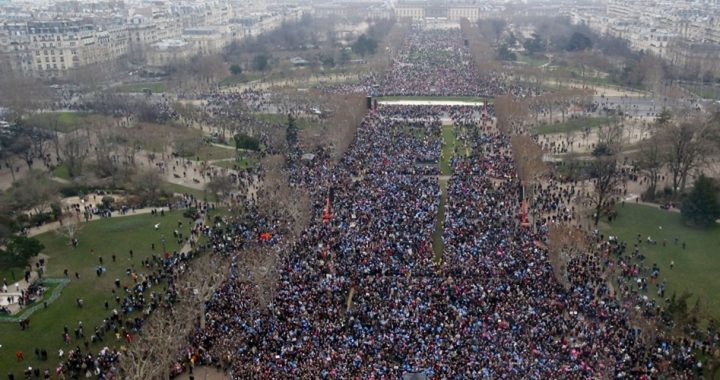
<point>14,290</point>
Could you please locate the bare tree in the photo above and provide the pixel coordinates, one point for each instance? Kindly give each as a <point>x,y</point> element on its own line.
<point>651,163</point>
<point>564,242</point>
<point>528,157</point>
<point>74,151</point>
<point>510,114</point>
<point>688,142</point>
<point>166,331</point>
<point>33,192</point>
<point>69,225</point>
<point>147,184</point>
<point>605,171</point>
<point>219,186</point>
<point>347,114</point>
<point>277,195</point>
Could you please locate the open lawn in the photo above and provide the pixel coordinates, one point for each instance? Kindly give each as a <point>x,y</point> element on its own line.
<point>156,137</point>
<point>278,118</point>
<point>705,92</point>
<point>180,189</point>
<point>241,164</point>
<point>208,152</point>
<point>61,171</point>
<point>572,125</point>
<point>103,237</point>
<point>531,61</point>
<point>243,78</point>
<point>696,267</point>
<point>154,87</point>
<point>65,122</point>
<point>448,149</point>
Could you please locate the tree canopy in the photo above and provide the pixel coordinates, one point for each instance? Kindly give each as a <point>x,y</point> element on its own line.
<point>701,207</point>
<point>19,250</point>
<point>364,46</point>
<point>534,45</point>
<point>579,42</point>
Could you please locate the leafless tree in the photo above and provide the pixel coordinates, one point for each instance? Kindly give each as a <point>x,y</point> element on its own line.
<point>651,162</point>
<point>147,184</point>
<point>74,151</point>
<point>605,171</point>
<point>69,225</point>
<point>33,192</point>
<point>219,186</point>
<point>688,144</point>
<point>510,114</point>
<point>564,242</point>
<point>166,331</point>
<point>347,114</point>
<point>528,157</point>
<point>293,203</point>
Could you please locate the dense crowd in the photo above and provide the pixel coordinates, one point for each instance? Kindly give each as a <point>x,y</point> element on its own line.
<point>437,62</point>
<point>363,294</point>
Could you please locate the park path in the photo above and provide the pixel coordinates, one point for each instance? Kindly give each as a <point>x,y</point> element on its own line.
<point>56,225</point>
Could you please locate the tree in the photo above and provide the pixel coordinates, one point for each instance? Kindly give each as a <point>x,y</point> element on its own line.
<point>33,192</point>
<point>579,42</point>
<point>147,185</point>
<point>701,207</point>
<point>688,144</point>
<point>74,152</point>
<point>510,114</point>
<point>187,146</point>
<point>291,131</point>
<point>218,186</point>
<point>505,54</point>
<point>235,69</point>
<point>534,45</point>
<point>346,114</point>
<point>20,249</point>
<point>243,141</point>
<point>497,26</point>
<point>261,62</point>
<point>651,163</point>
<point>364,45</point>
<point>604,171</point>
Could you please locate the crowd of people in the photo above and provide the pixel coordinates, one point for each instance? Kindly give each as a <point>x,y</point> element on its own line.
<point>363,294</point>
<point>437,62</point>
<point>377,287</point>
<point>133,298</point>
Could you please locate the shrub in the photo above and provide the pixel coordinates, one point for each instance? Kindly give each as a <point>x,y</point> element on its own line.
<point>107,201</point>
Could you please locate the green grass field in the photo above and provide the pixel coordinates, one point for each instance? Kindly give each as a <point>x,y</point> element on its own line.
<point>572,125</point>
<point>696,267</point>
<point>61,171</point>
<point>209,152</point>
<point>154,87</point>
<point>65,122</point>
<point>530,61</point>
<point>241,164</point>
<point>180,189</point>
<point>243,78</point>
<point>448,149</point>
<point>705,92</point>
<point>106,237</point>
